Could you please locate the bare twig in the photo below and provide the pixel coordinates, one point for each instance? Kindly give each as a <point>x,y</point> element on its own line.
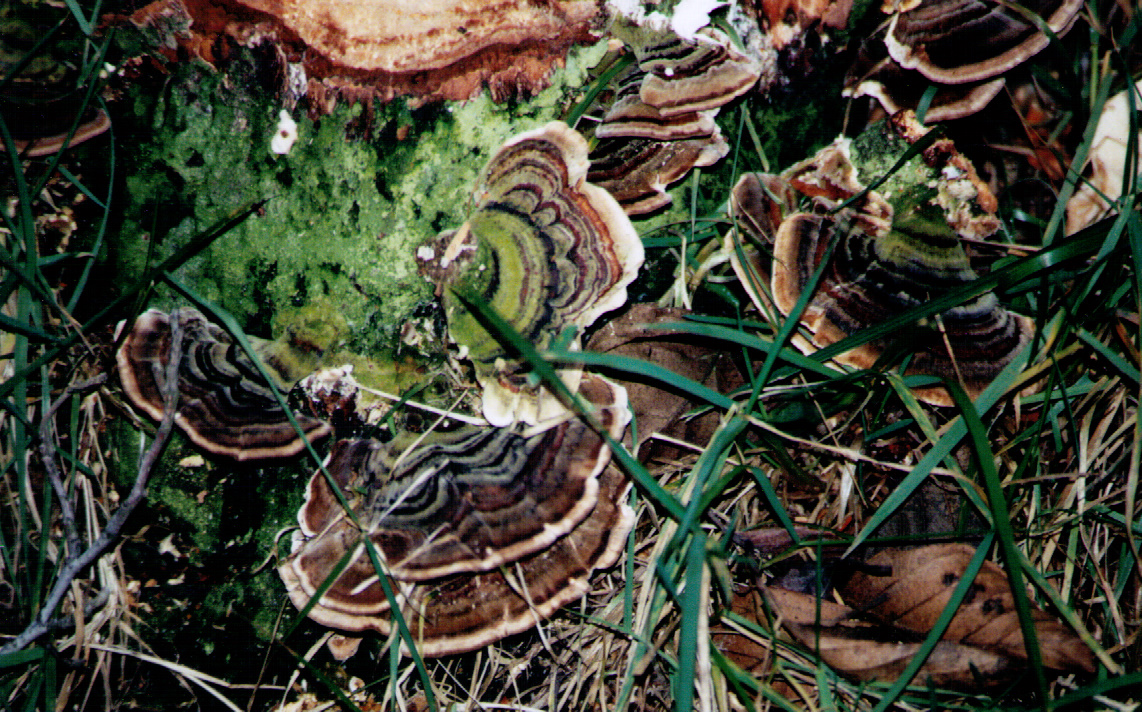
<point>61,622</point>
<point>48,454</point>
<point>73,566</point>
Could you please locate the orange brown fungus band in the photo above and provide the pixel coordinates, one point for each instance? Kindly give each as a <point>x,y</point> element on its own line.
<point>483,532</point>
<point>224,405</point>
<point>432,49</point>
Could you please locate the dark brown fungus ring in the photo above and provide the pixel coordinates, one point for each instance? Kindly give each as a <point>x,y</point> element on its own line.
<point>483,532</point>
<point>224,405</point>
<point>660,124</point>
<point>960,41</point>
<point>962,46</point>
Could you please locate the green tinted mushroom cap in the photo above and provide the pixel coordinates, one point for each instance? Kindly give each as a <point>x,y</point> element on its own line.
<point>545,249</point>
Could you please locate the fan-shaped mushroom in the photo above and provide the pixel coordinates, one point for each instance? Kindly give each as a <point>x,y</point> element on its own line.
<point>683,76</point>
<point>962,46</point>
<point>545,249</point>
<point>483,532</point>
<point>897,89</point>
<point>224,405</point>
<point>960,41</point>
<point>660,124</point>
<point>637,171</point>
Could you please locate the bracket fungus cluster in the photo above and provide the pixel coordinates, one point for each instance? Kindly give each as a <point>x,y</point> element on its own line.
<point>963,47</point>
<point>660,123</point>
<point>224,404</point>
<point>482,532</point>
<point>545,249</point>
<point>891,251</point>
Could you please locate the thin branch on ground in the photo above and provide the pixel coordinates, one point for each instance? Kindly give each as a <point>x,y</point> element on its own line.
<point>73,566</point>
<point>48,455</point>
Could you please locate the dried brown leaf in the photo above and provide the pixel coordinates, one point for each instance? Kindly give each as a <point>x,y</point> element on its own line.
<point>741,649</point>
<point>871,652</point>
<point>857,652</point>
<point>804,609</point>
<point>656,409</point>
<point>920,583</point>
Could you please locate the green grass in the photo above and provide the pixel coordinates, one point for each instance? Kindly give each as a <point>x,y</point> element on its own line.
<point>1052,476</point>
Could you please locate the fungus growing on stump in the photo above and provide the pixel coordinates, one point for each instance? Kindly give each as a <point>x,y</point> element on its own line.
<point>483,532</point>
<point>224,405</point>
<point>545,250</point>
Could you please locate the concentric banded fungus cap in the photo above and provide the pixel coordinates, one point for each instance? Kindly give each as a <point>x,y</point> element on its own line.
<point>960,41</point>
<point>660,124</point>
<point>963,46</point>
<point>224,405</point>
<point>630,116</point>
<point>898,89</point>
<point>637,171</point>
<point>454,513</point>
<point>545,249</point>
<point>686,76</point>
<point>871,279</point>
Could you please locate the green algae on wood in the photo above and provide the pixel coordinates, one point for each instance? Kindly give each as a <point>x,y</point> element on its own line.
<point>343,217</point>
